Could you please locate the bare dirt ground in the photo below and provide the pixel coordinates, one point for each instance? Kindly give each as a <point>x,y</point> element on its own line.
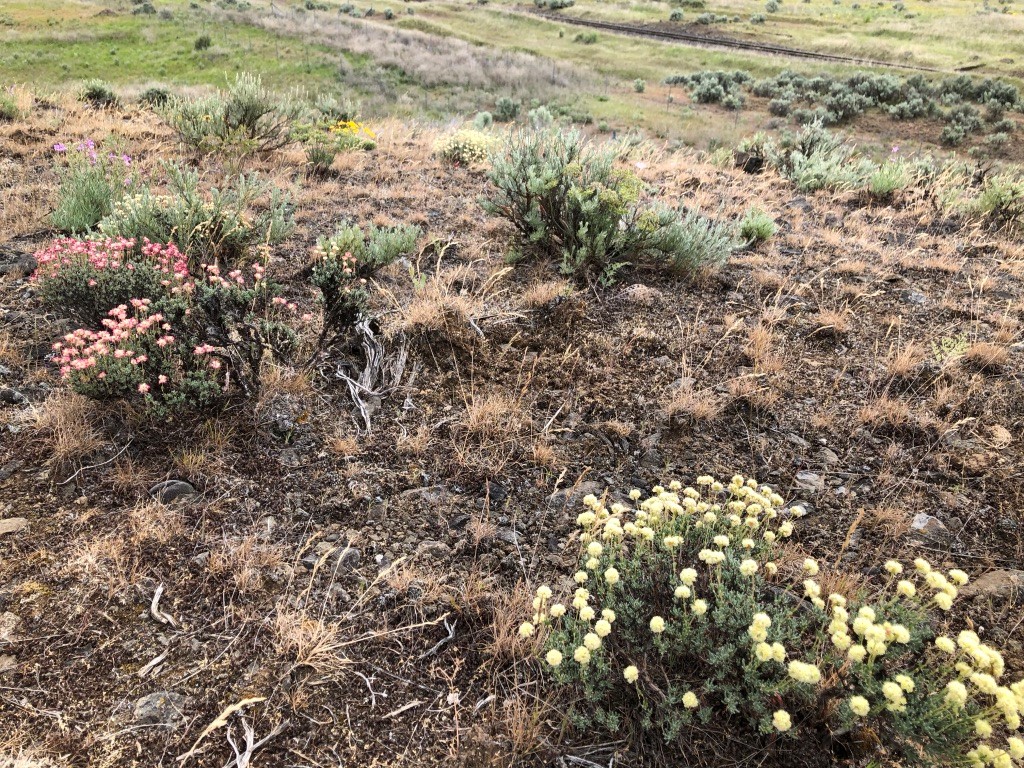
<point>356,592</point>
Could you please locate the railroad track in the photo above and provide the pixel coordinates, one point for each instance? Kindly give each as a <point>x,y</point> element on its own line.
<point>724,42</point>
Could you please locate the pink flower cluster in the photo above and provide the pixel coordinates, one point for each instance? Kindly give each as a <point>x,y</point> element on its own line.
<point>88,148</point>
<point>120,339</point>
<point>110,253</point>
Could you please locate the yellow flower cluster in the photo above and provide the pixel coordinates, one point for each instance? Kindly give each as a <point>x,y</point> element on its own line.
<point>465,147</point>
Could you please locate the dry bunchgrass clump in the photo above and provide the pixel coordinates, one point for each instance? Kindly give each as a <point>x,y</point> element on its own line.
<point>68,421</point>
<point>417,443</point>
<point>986,356</point>
<point>308,642</point>
<point>832,322</point>
<point>247,560</point>
<point>491,416</point>
<point>885,412</point>
<point>542,293</point>
<point>698,405</point>
<point>155,522</point>
<point>903,362</point>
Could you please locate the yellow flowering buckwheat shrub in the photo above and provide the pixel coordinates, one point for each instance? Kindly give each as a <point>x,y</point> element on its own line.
<point>683,615</point>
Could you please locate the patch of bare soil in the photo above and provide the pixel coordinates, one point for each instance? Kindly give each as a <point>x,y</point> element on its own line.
<point>350,595</point>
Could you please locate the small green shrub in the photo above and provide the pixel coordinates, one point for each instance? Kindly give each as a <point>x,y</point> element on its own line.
<point>540,117</point>
<point>889,178</point>
<point>155,97</point>
<point>772,6</point>
<point>248,118</point>
<point>816,159</point>
<point>676,15</point>
<point>758,18</point>
<point>1002,200</point>
<point>506,110</point>
<point>757,227</point>
<point>323,142</point>
<point>465,147</point>
<point>92,180</point>
<point>189,348</point>
<point>218,227</point>
<point>8,108</point>
<point>483,121</point>
<point>554,5</point>
<point>98,94</point>
<point>202,43</point>
<point>567,199</point>
<point>83,280</point>
<point>692,625</point>
<point>585,38</point>
<point>345,261</point>
<point>639,85</point>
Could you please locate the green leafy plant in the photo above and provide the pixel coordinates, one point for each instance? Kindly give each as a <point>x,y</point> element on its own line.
<point>506,109</point>
<point>566,198</point>
<point>889,178</point>
<point>690,621</point>
<point>93,178</point>
<point>345,261</point>
<point>247,118</point>
<point>155,97</point>
<point>215,227</point>
<point>756,227</point>
<point>1002,200</point>
<point>183,340</point>
<point>99,94</point>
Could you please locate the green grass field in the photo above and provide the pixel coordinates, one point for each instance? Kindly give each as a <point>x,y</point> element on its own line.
<point>410,65</point>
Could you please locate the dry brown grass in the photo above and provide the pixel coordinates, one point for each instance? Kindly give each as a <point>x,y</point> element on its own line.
<point>833,322</point>
<point>542,293</point>
<point>246,559</point>
<point>987,356</point>
<point>492,415</point>
<point>308,642</point>
<point>903,362</point>
<point>155,522</point>
<point>69,421</point>
<point>417,443</point>
<point>885,412</point>
<point>698,405</point>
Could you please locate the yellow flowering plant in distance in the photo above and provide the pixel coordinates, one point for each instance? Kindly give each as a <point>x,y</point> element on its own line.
<point>686,612</point>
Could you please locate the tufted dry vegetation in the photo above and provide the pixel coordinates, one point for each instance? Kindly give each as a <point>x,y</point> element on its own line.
<point>359,582</point>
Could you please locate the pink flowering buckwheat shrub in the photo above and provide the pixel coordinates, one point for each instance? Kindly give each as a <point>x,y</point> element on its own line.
<point>85,279</point>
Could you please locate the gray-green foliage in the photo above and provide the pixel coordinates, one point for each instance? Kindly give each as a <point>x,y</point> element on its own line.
<point>8,109</point>
<point>566,198</point>
<point>219,226</point>
<point>483,121</point>
<point>92,181</point>
<point>506,109</point>
<point>1002,200</point>
<point>888,179</point>
<point>756,227</point>
<point>816,159</point>
<point>246,118</point>
<point>99,94</point>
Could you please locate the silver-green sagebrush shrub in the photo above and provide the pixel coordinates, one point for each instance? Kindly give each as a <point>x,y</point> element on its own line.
<point>690,622</point>
<point>218,226</point>
<point>756,227</point>
<point>568,199</point>
<point>246,118</point>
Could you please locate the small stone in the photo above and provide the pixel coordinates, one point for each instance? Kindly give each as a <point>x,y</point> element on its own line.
<point>642,294</point>
<point>996,585</point>
<point>12,396</point>
<point>13,525</point>
<point>930,527</point>
<point>171,490</point>
<point>8,664</point>
<point>915,297</point>
<point>798,441</point>
<point>9,623</point>
<point>508,536</point>
<point>10,468</point>
<point>828,457</point>
<point>571,497</point>
<point>161,708</point>
<point>809,481</point>
<point>433,549</point>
